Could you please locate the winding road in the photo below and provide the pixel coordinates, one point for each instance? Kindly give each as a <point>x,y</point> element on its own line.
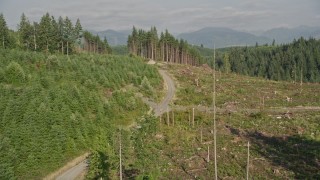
<point>77,170</point>
<point>163,106</point>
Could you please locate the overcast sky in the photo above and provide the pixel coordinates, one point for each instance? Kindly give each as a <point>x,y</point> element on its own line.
<point>176,15</point>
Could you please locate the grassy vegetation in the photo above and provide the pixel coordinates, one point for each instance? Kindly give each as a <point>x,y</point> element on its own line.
<point>284,145</point>
<point>279,148</point>
<point>247,92</point>
<point>120,50</point>
<point>53,108</point>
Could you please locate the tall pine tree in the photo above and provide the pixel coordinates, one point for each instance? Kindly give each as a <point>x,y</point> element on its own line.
<point>4,33</point>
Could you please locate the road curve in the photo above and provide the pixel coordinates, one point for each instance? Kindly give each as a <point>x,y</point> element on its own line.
<point>160,108</point>
<point>163,106</point>
<point>74,172</point>
<point>169,84</point>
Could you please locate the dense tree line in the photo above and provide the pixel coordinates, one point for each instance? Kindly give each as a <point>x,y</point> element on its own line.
<point>7,37</point>
<point>290,62</point>
<point>95,44</point>
<point>167,48</point>
<point>54,107</point>
<point>51,35</point>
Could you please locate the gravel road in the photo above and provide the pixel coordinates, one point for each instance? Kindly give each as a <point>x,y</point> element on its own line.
<point>74,172</point>
<point>163,106</point>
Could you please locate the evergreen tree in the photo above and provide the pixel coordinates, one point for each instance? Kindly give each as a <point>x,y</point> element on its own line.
<point>61,39</point>
<point>45,33</point>
<point>148,45</point>
<point>286,62</point>
<point>4,33</point>
<point>25,33</point>
<point>78,33</point>
<point>54,36</point>
<point>106,45</point>
<point>68,34</point>
<point>226,63</point>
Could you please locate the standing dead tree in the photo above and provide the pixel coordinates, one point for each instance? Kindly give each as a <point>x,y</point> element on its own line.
<point>120,158</point>
<point>172,118</point>
<point>168,117</point>
<point>248,160</point>
<point>214,114</point>
<point>192,117</point>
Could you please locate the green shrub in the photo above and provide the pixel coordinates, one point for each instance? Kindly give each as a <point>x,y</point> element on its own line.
<point>146,86</point>
<point>14,73</point>
<point>2,75</point>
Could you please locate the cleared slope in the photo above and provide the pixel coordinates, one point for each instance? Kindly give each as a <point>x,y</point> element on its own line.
<point>283,144</point>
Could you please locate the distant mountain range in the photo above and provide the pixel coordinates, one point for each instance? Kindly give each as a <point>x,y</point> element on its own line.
<point>115,38</point>
<point>222,37</point>
<point>286,35</point>
<point>225,37</point>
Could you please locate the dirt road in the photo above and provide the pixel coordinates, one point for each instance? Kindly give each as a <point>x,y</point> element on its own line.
<point>74,172</point>
<point>163,106</point>
<point>169,85</point>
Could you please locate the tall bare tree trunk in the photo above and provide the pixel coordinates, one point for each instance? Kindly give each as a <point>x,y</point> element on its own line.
<point>193,117</point>
<point>167,52</point>
<point>189,119</point>
<point>162,51</point>
<point>168,120</point>
<point>248,160</point>
<point>67,48</point>
<point>151,50</point>
<point>201,135</point>
<point>120,159</point>
<point>172,118</point>
<point>208,154</point>
<point>214,115</point>
<point>34,38</point>
<point>295,72</point>
<point>301,81</point>
<point>155,51</point>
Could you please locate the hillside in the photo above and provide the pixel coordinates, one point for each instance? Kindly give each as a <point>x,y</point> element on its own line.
<point>299,60</point>
<point>222,37</point>
<point>286,35</point>
<point>225,37</point>
<point>277,118</point>
<point>283,134</point>
<point>55,107</point>
<point>115,38</point>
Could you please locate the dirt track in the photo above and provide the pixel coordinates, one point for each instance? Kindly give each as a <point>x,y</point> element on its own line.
<point>163,106</point>
<point>74,172</point>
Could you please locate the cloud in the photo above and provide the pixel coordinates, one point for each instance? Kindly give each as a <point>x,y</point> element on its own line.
<point>177,16</point>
